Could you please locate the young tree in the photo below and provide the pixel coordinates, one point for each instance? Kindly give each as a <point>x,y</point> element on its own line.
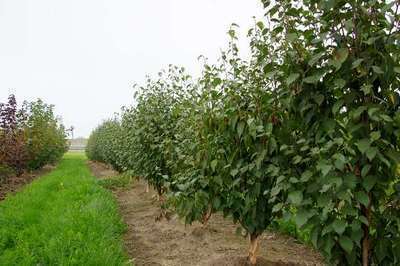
<point>236,163</point>
<point>46,136</point>
<point>13,150</point>
<point>338,64</point>
<point>153,129</point>
<point>103,143</point>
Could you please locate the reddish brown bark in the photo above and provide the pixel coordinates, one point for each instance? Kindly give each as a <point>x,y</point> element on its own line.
<point>366,241</point>
<point>254,246</point>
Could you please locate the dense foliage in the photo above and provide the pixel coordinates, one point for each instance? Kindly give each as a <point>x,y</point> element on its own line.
<point>30,137</point>
<point>305,130</point>
<point>13,142</point>
<point>338,74</point>
<point>101,145</point>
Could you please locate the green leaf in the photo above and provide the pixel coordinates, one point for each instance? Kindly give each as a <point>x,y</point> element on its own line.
<point>386,118</point>
<point>218,180</point>
<point>291,37</point>
<point>306,176</point>
<point>216,82</point>
<point>214,164</point>
<point>394,155</point>
<point>232,33</point>
<point>339,226</point>
<point>375,135</point>
<point>301,217</point>
<point>314,237</point>
<point>363,219</point>
<point>371,153</point>
<point>324,167</point>
<point>240,128</point>
<point>340,161</point>
<point>319,98</point>
<point>372,111</point>
<point>369,182</point>
<point>365,170</point>
<point>397,69</point>
<point>296,197</point>
<point>315,58</point>
<point>346,243</point>
<point>234,172</point>
<point>363,145</point>
<point>359,111</point>
<point>356,63</point>
<point>292,77</point>
<point>366,88</point>
<point>312,79</point>
<point>277,207</point>
<point>377,70</point>
<point>280,179</point>
<point>339,83</point>
<point>336,107</point>
<point>340,57</point>
<point>260,25</point>
<point>362,198</point>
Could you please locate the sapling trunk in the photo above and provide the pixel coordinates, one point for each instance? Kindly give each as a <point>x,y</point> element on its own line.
<point>254,246</point>
<point>206,216</point>
<point>160,197</point>
<point>161,200</point>
<point>147,187</point>
<point>366,241</point>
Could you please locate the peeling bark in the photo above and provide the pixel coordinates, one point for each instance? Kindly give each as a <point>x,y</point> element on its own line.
<point>206,217</point>
<point>254,246</point>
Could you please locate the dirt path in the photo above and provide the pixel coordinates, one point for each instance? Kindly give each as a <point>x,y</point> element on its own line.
<point>170,243</point>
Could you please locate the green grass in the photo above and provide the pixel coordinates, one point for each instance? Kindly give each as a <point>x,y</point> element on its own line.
<point>123,180</point>
<point>63,218</point>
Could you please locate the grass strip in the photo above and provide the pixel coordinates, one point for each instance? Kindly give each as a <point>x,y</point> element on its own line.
<point>62,218</point>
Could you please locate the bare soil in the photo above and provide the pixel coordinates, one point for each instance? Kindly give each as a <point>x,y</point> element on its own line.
<point>13,184</point>
<point>101,170</point>
<point>149,242</point>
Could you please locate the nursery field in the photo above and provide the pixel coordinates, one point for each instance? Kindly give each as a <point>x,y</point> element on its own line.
<point>301,135</point>
<point>287,154</point>
<point>62,218</point>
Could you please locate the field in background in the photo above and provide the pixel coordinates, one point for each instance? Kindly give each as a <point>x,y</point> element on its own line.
<point>78,144</point>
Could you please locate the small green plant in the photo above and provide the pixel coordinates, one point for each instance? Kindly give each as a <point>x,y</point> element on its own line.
<point>123,180</point>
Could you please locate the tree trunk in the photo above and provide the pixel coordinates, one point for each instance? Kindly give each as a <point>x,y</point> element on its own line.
<point>206,217</point>
<point>366,241</point>
<point>365,249</point>
<point>254,245</point>
<point>161,201</point>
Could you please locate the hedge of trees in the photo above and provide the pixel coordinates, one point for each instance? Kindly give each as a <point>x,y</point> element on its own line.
<point>30,137</point>
<point>306,129</point>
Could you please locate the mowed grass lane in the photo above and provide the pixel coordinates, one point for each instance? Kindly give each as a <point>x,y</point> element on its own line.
<point>63,218</point>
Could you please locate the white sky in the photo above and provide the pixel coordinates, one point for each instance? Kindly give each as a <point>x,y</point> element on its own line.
<point>85,55</point>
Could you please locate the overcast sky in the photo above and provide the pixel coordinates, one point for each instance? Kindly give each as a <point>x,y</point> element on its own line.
<point>85,55</point>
